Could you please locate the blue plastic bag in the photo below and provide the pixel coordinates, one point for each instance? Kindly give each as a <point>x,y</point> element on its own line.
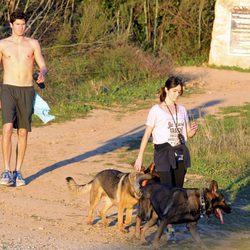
<point>41,109</point>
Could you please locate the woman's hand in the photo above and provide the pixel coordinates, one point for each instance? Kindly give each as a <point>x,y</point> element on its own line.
<point>193,129</point>
<point>138,164</point>
<point>139,160</point>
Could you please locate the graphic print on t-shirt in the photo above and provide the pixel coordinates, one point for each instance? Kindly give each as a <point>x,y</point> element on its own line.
<point>173,132</point>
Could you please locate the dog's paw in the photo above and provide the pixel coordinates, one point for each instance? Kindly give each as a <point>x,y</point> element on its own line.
<point>156,244</point>
<point>89,222</point>
<point>137,235</point>
<point>127,222</point>
<point>106,222</point>
<point>144,242</point>
<point>123,230</point>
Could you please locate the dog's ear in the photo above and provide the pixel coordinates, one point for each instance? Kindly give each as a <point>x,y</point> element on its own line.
<point>214,187</point>
<point>151,168</point>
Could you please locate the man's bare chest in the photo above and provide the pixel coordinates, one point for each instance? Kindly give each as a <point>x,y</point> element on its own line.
<point>19,52</point>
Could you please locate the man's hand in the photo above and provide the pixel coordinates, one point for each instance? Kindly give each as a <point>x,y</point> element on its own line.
<point>38,77</point>
<point>41,78</point>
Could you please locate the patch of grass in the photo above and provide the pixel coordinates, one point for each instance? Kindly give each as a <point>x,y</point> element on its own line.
<point>5,245</point>
<point>124,94</point>
<point>187,60</point>
<point>239,110</point>
<point>220,150</point>
<point>234,68</point>
<point>109,164</point>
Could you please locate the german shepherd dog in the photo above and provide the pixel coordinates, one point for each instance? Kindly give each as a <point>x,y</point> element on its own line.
<point>172,205</point>
<point>118,188</point>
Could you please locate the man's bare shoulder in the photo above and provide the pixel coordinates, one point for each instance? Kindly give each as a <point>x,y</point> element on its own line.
<point>29,39</point>
<point>4,43</point>
<point>33,42</point>
<point>5,40</point>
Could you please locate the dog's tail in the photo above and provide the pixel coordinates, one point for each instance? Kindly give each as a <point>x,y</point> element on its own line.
<point>73,186</point>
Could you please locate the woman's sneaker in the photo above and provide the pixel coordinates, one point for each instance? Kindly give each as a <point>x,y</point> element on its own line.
<point>171,234</point>
<point>18,179</point>
<point>6,178</point>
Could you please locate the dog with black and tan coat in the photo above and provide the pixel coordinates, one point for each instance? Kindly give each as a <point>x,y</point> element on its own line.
<point>170,205</point>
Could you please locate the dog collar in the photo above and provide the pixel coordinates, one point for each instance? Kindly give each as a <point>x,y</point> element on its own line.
<point>202,203</point>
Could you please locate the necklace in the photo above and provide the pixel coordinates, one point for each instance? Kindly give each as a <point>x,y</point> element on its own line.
<point>180,136</point>
<point>176,119</point>
<point>169,110</point>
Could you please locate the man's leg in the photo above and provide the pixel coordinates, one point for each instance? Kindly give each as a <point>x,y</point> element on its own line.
<point>6,178</point>
<point>20,153</point>
<point>6,144</point>
<point>21,147</point>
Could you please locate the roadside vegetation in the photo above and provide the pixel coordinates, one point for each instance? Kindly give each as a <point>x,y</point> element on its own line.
<point>234,68</point>
<point>221,149</point>
<point>112,53</point>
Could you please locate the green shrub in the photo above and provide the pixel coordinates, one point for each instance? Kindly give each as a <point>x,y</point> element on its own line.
<point>111,75</point>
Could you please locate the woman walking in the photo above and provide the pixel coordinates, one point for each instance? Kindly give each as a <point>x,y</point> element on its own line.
<point>169,125</point>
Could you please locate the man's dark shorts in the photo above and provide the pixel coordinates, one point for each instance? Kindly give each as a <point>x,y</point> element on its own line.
<point>17,105</point>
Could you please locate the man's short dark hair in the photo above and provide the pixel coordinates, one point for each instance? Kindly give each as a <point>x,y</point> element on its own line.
<point>18,14</point>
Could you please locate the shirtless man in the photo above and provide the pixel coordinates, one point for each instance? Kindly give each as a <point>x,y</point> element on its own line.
<point>17,55</point>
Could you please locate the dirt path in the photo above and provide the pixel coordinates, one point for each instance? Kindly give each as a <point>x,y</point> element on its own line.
<point>43,215</point>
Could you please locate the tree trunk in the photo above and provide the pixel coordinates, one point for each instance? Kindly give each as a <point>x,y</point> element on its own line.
<point>155,23</point>
<point>72,11</point>
<point>202,2</point>
<point>26,5</point>
<point>146,20</point>
<point>130,21</point>
<point>118,21</point>
<point>17,4</point>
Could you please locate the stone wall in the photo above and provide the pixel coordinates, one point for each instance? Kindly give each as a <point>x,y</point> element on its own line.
<point>230,45</point>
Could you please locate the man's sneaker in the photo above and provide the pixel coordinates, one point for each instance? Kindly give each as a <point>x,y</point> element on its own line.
<point>18,179</point>
<point>6,178</point>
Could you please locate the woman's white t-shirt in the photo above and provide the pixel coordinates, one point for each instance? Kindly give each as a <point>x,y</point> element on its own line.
<point>164,128</point>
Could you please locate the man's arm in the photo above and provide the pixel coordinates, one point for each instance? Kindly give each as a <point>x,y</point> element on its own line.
<point>40,62</point>
<point>1,56</point>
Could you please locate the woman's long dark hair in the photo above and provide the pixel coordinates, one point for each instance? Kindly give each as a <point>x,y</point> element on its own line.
<point>171,82</point>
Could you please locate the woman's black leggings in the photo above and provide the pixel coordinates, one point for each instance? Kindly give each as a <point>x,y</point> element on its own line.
<point>174,177</point>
